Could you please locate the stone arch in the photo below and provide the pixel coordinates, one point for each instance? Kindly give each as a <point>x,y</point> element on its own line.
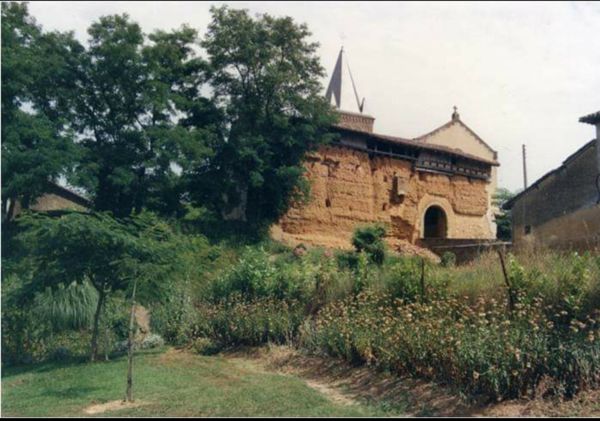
<point>435,223</point>
<point>441,204</point>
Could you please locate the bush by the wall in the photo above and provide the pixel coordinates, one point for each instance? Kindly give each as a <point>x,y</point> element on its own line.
<point>448,259</point>
<point>369,238</point>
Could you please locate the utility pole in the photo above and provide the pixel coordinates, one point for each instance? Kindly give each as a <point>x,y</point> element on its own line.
<point>524,168</point>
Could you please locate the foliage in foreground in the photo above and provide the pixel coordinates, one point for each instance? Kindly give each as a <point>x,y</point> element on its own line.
<point>379,315</point>
<point>77,261</point>
<point>456,328</point>
<point>483,349</point>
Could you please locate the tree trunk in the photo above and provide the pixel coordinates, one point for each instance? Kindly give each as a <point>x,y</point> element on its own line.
<point>7,216</point>
<point>129,392</point>
<point>94,346</point>
<point>106,343</point>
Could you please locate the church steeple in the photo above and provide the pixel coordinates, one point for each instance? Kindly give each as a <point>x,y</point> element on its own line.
<point>335,84</point>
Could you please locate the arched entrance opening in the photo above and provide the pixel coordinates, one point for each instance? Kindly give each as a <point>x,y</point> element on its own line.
<point>435,223</point>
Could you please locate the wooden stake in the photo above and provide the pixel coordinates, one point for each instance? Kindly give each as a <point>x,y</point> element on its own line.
<point>129,392</point>
<point>423,297</point>
<point>511,301</point>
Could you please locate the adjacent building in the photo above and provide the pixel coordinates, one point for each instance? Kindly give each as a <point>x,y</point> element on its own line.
<point>561,210</point>
<point>55,198</point>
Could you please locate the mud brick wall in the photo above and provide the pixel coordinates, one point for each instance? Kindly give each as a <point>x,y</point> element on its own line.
<point>349,188</point>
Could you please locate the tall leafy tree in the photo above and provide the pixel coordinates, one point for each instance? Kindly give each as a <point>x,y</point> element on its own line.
<point>503,216</point>
<point>130,92</point>
<point>37,83</point>
<point>265,76</point>
<point>110,254</point>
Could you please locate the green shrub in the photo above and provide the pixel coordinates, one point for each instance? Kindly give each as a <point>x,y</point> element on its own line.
<point>448,259</point>
<point>253,276</point>
<point>347,259</point>
<point>205,346</point>
<point>236,321</point>
<point>150,341</point>
<point>257,275</point>
<point>403,279</point>
<point>369,238</point>
<point>176,319</point>
<point>61,354</point>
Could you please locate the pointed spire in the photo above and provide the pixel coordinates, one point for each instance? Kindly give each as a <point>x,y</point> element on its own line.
<point>335,84</point>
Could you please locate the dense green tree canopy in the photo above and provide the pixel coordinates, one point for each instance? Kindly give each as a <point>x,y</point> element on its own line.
<point>503,217</point>
<point>265,75</point>
<point>37,85</point>
<point>131,88</point>
<point>141,121</point>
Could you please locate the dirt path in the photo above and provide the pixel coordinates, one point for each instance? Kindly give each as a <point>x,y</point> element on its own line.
<point>101,408</point>
<point>348,385</point>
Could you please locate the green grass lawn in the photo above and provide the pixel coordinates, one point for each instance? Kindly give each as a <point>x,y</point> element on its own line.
<point>168,384</point>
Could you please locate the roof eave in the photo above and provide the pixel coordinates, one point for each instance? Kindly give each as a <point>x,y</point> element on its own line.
<point>459,121</point>
<point>421,145</point>
<point>510,203</point>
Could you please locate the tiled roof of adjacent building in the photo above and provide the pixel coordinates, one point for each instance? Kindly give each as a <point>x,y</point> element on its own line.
<point>509,204</point>
<point>68,193</point>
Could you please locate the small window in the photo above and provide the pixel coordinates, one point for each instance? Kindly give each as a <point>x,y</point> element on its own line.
<point>399,186</point>
<point>328,203</point>
<point>527,229</point>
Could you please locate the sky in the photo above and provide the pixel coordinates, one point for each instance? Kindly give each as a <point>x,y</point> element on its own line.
<point>519,72</point>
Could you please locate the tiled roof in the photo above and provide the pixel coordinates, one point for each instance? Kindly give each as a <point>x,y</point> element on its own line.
<point>450,123</point>
<point>423,145</point>
<point>509,204</point>
<point>70,194</point>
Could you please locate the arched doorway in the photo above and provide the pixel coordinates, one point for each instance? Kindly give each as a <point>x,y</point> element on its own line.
<point>435,223</point>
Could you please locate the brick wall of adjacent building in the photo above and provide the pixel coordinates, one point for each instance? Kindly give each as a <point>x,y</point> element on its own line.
<point>545,215</point>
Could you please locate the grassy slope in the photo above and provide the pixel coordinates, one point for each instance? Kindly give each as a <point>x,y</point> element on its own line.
<point>181,385</point>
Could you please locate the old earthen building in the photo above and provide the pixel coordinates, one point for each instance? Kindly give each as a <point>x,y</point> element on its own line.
<point>439,185</point>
